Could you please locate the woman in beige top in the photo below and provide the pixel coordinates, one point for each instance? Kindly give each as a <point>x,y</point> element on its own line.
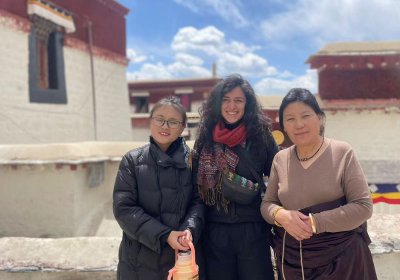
<point>318,198</point>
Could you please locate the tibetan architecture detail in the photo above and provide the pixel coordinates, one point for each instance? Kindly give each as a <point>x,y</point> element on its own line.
<point>52,13</point>
<point>351,70</point>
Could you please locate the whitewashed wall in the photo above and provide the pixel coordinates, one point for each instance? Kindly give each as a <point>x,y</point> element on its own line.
<point>25,122</point>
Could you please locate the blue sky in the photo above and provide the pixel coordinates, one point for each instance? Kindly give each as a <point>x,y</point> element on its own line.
<point>267,41</point>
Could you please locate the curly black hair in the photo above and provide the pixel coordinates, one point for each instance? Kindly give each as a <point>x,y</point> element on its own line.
<point>254,120</point>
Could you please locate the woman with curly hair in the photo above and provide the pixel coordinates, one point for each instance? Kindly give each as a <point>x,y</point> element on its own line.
<point>234,136</point>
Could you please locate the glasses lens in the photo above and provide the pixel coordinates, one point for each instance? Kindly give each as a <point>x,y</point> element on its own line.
<point>173,124</point>
<point>158,121</point>
<point>170,124</point>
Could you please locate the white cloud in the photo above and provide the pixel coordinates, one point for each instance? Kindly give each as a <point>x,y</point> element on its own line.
<point>247,64</point>
<point>278,86</point>
<point>134,57</point>
<point>150,71</point>
<point>170,71</point>
<point>195,48</point>
<point>342,20</point>
<point>208,40</point>
<point>231,57</point>
<point>180,69</point>
<point>228,10</point>
<point>188,59</point>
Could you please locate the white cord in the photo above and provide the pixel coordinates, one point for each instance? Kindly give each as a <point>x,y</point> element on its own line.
<point>283,258</point>
<point>283,255</point>
<point>301,260</point>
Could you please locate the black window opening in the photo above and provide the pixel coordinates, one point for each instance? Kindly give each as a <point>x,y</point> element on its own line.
<point>141,104</point>
<point>46,62</point>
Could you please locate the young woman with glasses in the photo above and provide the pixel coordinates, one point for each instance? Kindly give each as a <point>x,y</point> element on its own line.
<point>155,202</point>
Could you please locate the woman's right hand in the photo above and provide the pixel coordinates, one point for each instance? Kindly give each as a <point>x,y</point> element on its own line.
<point>295,223</point>
<point>173,240</point>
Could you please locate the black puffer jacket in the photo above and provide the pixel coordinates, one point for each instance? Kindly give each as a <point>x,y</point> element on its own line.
<point>154,194</point>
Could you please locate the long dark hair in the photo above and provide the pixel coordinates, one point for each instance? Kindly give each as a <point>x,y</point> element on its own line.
<point>254,120</point>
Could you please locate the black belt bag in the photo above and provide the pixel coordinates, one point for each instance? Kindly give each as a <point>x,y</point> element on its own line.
<point>237,188</point>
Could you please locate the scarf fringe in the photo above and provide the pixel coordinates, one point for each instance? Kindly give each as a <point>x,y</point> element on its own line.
<point>213,196</point>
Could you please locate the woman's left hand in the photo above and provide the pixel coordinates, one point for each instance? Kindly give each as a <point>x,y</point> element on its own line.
<point>185,239</point>
<point>295,223</point>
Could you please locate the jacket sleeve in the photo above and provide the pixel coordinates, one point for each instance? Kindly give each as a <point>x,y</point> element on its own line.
<point>195,163</point>
<point>133,220</point>
<point>272,149</point>
<point>194,219</point>
<point>195,216</point>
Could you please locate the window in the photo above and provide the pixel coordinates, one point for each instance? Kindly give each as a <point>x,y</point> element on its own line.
<point>141,104</point>
<point>185,100</point>
<point>184,94</point>
<point>139,100</point>
<point>46,62</point>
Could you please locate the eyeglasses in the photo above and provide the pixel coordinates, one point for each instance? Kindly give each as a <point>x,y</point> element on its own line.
<point>171,123</point>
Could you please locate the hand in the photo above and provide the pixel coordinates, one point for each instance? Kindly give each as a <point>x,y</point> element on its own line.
<point>186,239</point>
<point>173,240</point>
<point>295,223</point>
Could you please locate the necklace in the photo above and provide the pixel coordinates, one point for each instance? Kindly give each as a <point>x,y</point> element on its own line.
<point>308,158</point>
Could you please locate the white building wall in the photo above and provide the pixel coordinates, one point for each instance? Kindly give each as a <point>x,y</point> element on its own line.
<point>13,84</point>
<point>374,134</point>
<point>112,101</point>
<point>25,122</point>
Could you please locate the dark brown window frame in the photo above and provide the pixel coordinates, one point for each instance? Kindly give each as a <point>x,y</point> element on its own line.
<point>46,63</point>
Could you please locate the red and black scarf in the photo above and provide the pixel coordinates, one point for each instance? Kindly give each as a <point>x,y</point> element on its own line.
<point>213,161</point>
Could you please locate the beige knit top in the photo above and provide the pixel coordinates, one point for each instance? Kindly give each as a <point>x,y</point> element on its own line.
<point>334,174</point>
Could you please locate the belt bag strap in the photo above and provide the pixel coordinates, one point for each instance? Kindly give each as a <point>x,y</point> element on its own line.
<point>243,154</point>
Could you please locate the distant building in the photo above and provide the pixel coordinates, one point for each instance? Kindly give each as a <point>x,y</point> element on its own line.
<point>63,71</point>
<point>144,94</point>
<point>353,70</point>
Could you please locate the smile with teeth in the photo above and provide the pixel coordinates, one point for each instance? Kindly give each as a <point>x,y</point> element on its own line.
<point>164,133</point>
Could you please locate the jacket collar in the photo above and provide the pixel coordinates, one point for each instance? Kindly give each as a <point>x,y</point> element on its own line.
<point>175,155</point>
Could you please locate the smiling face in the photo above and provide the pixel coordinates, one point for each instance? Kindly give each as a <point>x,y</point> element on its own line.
<point>164,135</point>
<point>232,105</point>
<point>302,124</point>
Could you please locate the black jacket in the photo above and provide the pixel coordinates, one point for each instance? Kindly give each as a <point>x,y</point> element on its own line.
<point>261,160</point>
<point>154,194</point>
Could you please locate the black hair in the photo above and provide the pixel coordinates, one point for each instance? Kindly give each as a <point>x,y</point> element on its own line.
<point>174,102</point>
<point>301,95</point>
<point>210,113</point>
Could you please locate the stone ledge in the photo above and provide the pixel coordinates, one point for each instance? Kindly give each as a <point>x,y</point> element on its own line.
<point>20,254</point>
<point>64,152</point>
<point>97,257</point>
<point>384,231</point>
<point>60,275</point>
<point>67,152</point>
